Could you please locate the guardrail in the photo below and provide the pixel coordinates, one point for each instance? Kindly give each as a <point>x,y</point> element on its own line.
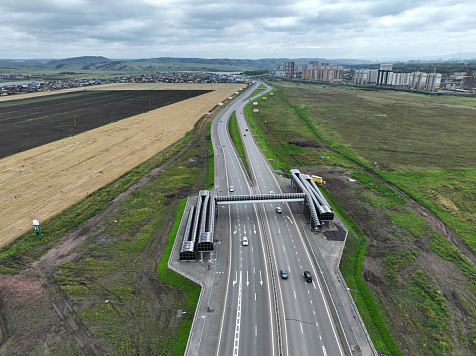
<point>356,312</point>
<point>349,350</point>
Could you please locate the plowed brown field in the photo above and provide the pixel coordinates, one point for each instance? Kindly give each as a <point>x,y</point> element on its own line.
<point>42,182</point>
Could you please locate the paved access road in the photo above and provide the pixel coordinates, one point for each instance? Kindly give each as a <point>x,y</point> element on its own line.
<point>249,321</point>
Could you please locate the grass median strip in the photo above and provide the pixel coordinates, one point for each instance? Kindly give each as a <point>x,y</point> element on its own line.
<point>236,138</point>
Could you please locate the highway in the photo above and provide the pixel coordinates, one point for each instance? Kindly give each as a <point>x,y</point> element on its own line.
<point>247,324</point>
<point>249,320</point>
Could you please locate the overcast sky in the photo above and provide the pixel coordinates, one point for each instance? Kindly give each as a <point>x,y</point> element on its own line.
<point>367,29</point>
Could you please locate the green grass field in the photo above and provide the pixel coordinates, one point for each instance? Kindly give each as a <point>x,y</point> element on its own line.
<point>422,144</point>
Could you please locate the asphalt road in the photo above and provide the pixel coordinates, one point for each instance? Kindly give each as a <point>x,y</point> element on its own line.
<point>247,324</point>
<point>249,321</point>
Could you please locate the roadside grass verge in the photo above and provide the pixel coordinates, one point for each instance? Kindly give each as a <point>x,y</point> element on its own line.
<point>113,266</point>
<point>35,246</point>
<point>236,138</point>
<point>175,279</point>
<point>210,180</point>
<point>351,268</point>
<point>277,125</point>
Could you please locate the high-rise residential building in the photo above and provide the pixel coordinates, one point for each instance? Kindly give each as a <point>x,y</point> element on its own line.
<point>386,66</point>
<point>330,74</point>
<point>289,69</point>
<point>468,82</point>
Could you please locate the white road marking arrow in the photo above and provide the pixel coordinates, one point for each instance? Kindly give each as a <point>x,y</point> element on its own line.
<point>236,230</point>
<point>247,282</point>
<point>254,227</point>
<point>235,280</point>
<point>260,279</point>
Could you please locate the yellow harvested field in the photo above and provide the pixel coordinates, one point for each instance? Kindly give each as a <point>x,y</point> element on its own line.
<point>42,182</point>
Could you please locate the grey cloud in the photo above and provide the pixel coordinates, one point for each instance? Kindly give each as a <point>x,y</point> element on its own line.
<point>144,28</point>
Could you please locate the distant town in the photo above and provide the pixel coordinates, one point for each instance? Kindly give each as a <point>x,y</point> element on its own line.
<point>28,86</point>
<point>384,76</point>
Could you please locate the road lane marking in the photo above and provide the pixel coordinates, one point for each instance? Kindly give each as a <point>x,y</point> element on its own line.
<point>302,332</point>
<point>295,294</point>
<point>236,279</point>
<point>314,313</point>
<point>247,282</point>
<point>254,270</point>
<point>324,350</point>
<point>255,296</point>
<point>314,285</point>
<point>236,344</point>
<point>320,337</point>
<point>311,301</point>
<point>284,249</point>
<point>260,279</point>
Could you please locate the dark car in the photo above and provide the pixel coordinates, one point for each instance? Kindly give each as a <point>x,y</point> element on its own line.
<point>284,273</point>
<point>307,276</point>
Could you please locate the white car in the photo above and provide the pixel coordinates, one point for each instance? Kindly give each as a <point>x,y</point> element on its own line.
<point>271,192</point>
<point>232,189</point>
<point>279,210</point>
<point>245,241</point>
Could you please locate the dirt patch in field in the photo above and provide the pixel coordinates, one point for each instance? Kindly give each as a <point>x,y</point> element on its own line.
<point>42,182</point>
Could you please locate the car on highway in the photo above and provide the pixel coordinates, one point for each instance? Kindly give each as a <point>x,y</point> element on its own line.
<point>284,273</point>
<point>246,129</point>
<point>307,276</point>
<point>279,210</point>
<point>245,241</point>
<point>271,192</point>
<point>232,189</point>
<point>244,134</point>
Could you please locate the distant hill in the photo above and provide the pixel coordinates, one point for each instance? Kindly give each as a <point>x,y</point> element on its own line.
<point>80,60</point>
<point>256,63</point>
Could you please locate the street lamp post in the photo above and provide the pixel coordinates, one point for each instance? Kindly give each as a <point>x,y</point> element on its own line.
<point>353,308</point>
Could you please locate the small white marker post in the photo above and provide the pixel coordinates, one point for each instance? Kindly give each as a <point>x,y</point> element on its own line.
<point>36,225</point>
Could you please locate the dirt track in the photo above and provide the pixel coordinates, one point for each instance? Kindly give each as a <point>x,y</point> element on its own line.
<point>42,182</point>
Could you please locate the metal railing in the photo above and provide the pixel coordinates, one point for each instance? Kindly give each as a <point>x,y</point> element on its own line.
<point>356,312</point>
